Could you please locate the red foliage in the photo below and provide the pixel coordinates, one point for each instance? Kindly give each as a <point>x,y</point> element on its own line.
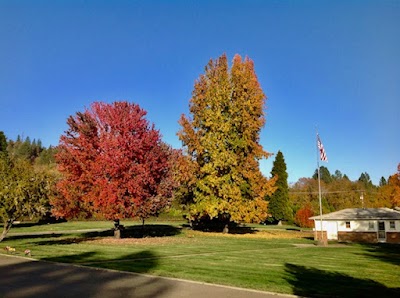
<point>302,217</point>
<point>114,164</point>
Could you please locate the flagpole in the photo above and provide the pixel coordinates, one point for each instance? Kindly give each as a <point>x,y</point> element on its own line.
<point>319,192</point>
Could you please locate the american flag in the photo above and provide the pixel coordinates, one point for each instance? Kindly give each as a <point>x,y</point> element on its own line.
<point>322,152</point>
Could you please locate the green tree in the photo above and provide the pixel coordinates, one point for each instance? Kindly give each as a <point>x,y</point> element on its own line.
<point>25,149</point>
<point>338,175</point>
<point>24,191</point>
<point>279,205</point>
<point>382,181</point>
<point>222,143</point>
<point>47,156</point>
<point>325,174</point>
<point>365,180</point>
<point>3,142</point>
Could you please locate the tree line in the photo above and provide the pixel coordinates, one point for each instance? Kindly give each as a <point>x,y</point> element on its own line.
<point>112,163</point>
<point>27,179</point>
<point>298,202</point>
<point>339,192</point>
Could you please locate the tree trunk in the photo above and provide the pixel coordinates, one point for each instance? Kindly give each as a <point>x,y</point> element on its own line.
<point>117,229</point>
<point>142,227</point>
<point>226,229</point>
<point>6,227</point>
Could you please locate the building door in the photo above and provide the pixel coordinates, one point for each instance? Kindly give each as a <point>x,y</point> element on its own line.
<point>381,231</point>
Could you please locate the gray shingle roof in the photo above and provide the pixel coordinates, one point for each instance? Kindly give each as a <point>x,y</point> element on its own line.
<point>361,213</point>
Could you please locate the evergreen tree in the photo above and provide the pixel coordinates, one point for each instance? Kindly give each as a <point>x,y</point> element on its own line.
<point>26,149</point>
<point>382,182</point>
<point>365,180</point>
<point>3,142</point>
<point>279,205</point>
<point>325,174</point>
<point>46,156</point>
<point>222,144</point>
<point>338,175</point>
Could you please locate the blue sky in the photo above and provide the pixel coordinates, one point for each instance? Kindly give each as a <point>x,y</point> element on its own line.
<point>330,64</point>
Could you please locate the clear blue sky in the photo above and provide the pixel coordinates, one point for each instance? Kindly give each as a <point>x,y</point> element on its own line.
<point>334,64</point>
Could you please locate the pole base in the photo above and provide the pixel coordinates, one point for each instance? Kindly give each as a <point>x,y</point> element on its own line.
<point>323,242</point>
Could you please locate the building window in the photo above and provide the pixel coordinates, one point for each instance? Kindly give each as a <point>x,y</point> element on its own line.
<point>371,225</point>
<point>347,225</point>
<point>392,225</point>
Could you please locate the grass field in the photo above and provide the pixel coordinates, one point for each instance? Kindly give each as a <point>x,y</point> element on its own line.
<point>278,259</point>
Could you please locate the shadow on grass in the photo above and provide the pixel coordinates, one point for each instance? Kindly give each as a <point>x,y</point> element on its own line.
<point>139,262</point>
<point>389,253</point>
<point>218,227</point>
<point>139,231</point>
<point>27,224</point>
<point>41,222</point>
<point>31,236</point>
<point>308,237</point>
<point>311,282</point>
<point>150,230</point>
<point>63,241</point>
<point>136,231</point>
<point>24,278</point>
<point>232,230</point>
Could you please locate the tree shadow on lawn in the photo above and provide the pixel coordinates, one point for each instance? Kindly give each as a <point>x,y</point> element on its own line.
<point>40,222</point>
<point>31,236</point>
<point>135,231</point>
<point>151,230</point>
<point>139,231</point>
<point>389,253</point>
<point>25,278</point>
<point>312,282</point>
<point>218,227</point>
<point>138,262</point>
<point>239,230</point>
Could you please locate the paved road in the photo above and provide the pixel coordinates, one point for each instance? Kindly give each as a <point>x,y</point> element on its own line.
<point>22,277</point>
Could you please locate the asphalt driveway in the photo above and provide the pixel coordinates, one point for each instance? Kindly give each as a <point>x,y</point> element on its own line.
<point>23,277</point>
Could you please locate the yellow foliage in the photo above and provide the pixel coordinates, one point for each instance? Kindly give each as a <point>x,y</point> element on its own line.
<point>222,143</point>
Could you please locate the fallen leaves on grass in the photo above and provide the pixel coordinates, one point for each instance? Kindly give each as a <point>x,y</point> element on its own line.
<point>279,234</point>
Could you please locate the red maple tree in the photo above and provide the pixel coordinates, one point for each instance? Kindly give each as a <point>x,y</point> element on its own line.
<point>114,164</point>
<point>303,217</point>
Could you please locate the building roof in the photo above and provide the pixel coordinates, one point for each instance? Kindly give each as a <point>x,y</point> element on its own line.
<point>361,214</point>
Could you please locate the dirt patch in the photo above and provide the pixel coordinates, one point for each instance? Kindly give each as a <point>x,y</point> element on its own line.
<point>258,234</point>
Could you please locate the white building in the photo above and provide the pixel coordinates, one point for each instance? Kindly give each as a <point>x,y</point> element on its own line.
<point>359,225</point>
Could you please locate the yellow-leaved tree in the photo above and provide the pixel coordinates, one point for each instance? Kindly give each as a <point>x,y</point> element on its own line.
<point>222,147</point>
<point>391,191</point>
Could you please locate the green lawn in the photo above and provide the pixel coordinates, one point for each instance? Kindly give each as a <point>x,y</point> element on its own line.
<point>279,260</point>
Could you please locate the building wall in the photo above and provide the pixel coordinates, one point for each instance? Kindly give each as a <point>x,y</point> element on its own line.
<point>362,226</point>
<point>393,237</point>
<point>365,237</point>
<point>329,226</point>
<point>359,231</point>
<point>317,235</point>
